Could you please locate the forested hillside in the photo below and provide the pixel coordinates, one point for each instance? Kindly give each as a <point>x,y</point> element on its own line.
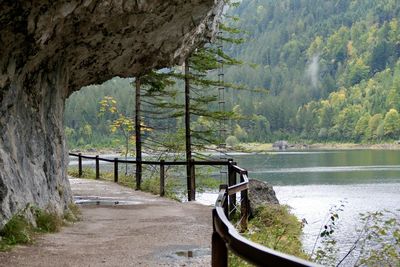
<point>331,68</point>
<point>83,125</point>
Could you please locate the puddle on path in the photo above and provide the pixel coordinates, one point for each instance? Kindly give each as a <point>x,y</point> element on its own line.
<point>104,201</point>
<point>177,253</point>
<point>193,253</point>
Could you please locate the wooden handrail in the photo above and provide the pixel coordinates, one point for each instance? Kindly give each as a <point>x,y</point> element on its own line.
<point>251,251</point>
<point>166,163</point>
<point>239,170</point>
<point>238,188</point>
<point>225,236</point>
<point>162,164</point>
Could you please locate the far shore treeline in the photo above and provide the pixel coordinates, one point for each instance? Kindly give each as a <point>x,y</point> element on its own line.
<point>314,70</point>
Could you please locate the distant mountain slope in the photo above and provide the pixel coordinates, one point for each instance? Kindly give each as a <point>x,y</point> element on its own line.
<point>307,49</point>
<point>331,67</point>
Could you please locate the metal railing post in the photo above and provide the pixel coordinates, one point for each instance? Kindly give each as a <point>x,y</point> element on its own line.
<point>116,170</point>
<point>80,165</point>
<point>162,178</point>
<point>97,168</point>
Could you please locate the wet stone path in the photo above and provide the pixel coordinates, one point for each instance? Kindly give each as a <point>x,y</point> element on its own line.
<point>122,227</point>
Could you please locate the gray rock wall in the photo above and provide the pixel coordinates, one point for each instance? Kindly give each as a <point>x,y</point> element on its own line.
<point>32,148</point>
<point>48,49</point>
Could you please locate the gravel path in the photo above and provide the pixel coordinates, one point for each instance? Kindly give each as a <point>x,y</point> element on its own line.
<point>141,230</point>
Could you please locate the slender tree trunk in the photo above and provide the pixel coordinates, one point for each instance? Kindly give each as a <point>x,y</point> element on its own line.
<point>191,194</point>
<point>138,135</point>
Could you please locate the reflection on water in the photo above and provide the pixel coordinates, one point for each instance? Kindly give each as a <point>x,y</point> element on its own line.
<point>324,167</point>
<point>331,169</point>
<point>313,182</point>
<point>314,201</point>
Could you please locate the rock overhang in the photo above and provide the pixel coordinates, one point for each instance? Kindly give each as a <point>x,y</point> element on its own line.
<point>48,49</point>
<point>97,40</point>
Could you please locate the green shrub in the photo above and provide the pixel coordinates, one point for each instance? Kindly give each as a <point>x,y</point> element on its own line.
<point>380,245</point>
<point>273,226</point>
<point>377,242</point>
<point>48,222</point>
<point>204,183</point>
<point>172,187</point>
<point>17,231</point>
<point>74,172</point>
<point>232,141</point>
<point>151,185</point>
<point>125,180</point>
<point>73,214</point>
<point>88,173</point>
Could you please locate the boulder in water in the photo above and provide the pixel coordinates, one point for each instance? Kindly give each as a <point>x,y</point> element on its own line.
<point>260,194</point>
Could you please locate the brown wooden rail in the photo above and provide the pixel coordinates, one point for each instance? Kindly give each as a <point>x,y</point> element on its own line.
<point>161,163</point>
<point>225,237</point>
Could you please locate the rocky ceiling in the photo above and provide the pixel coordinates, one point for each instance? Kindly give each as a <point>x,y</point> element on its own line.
<point>48,49</point>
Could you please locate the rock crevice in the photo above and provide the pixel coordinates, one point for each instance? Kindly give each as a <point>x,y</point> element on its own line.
<point>49,49</point>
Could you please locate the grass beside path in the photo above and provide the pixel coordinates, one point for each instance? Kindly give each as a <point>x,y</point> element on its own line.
<point>145,231</point>
<point>151,185</point>
<point>19,230</point>
<point>174,188</point>
<point>273,226</point>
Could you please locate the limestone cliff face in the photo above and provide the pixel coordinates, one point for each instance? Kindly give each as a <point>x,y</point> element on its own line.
<point>48,49</point>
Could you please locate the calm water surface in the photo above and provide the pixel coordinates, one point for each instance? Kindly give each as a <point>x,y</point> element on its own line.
<point>313,182</point>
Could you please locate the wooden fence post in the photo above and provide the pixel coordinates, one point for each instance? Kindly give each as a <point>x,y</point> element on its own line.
<point>244,207</point>
<point>138,173</point>
<point>138,133</point>
<point>162,178</point>
<point>225,204</point>
<point>80,165</point>
<point>116,170</point>
<point>219,257</point>
<point>97,168</point>
<point>192,180</point>
<point>231,181</point>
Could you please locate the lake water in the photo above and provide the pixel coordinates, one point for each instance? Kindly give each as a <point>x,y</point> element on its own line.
<point>313,182</point>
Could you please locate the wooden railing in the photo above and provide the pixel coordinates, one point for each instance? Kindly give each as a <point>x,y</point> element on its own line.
<point>191,182</point>
<point>225,236</point>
